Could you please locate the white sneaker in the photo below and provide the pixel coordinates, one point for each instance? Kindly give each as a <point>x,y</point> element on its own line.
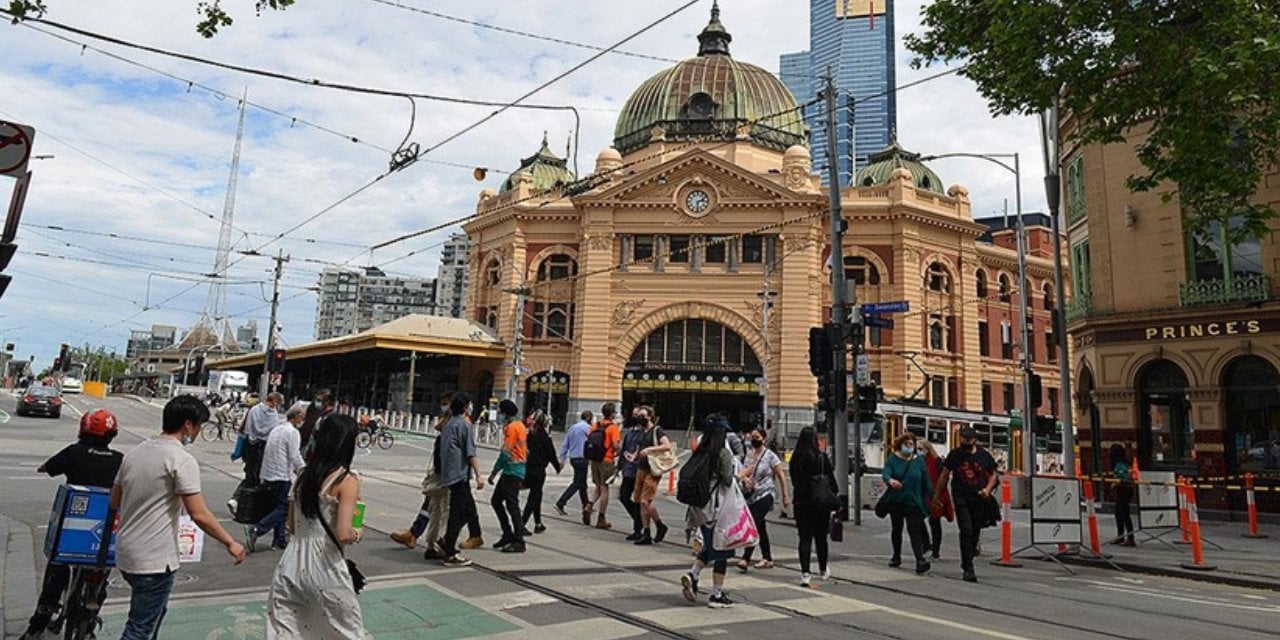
<point>826,574</point>
<point>805,579</point>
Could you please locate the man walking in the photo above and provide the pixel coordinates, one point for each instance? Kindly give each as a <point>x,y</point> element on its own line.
<point>654,441</point>
<point>631,439</point>
<point>281,460</point>
<point>511,466</point>
<point>258,425</point>
<point>457,464</point>
<point>972,472</point>
<point>157,479</point>
<point>601,448</point>
<point>571,451</point>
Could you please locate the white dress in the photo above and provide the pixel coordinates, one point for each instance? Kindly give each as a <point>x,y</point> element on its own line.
<point>311,594</point>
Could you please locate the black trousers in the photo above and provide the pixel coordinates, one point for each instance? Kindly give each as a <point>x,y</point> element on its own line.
<point>759,509</point>
<point>579,485</point>
<point>56,579</point>
<point>534,482</point>
<point>914,522</point>
<point>933,536</point>
<point>1124,513</point>
<point>625,492</point>
<point>814,525</point>
<point>506,504</point>
<point>462,510</point>
<point>968,510</point>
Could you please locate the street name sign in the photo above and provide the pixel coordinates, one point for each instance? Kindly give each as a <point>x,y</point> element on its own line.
<point>900,306</point>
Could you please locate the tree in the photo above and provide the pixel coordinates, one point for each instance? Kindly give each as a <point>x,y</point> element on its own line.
<point>1198,75</point>
<point>212,16</point>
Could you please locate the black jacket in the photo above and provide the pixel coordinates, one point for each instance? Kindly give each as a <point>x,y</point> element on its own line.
<point>803,470</point>
<point>542,452</point>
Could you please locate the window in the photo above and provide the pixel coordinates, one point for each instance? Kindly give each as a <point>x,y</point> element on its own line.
<point>557,267</point>
<point>716,250</point>
<point>1077,207</point>
<point>986,397</point>
<point>981,286</point>
<point>938,279</point>
<point>679,253</point>
<point>984,339</point>
<point>1218,251</point>
<point>1006,340</point>
<point>1031,350</point>
<point>552,321</point>
<point>493,273</point>
<point>876,337</point>
<point>937,335</point>
<point>1009,403</point>
<point>1006,288</point>
<point>862,271</point>
<point>953,392</point>
<point>753,249</point>
<point>643,249</point>
<point>950,326</point>
<point>1047,292</point>
<point>938,391</point>
<point>1081,268</point>
<point>1053,401</point>
<point>1051,347</point>
<point>491,317</point>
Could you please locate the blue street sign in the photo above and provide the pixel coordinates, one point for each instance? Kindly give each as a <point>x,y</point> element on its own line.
<point>878,322</point>
<point>901,306</point>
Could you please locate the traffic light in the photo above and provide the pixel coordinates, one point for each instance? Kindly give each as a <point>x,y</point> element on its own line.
<point>868,398</point>
<point>9,346</point>
<point>275,361</point>
<point>832,392</point>
<point>819,351</point>
<point>57,364</point>
<point>193,376</point>
<point>1037,393</point>
<point>64,358</point>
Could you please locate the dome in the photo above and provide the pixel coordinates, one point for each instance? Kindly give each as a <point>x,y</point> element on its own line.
<point>547,170</point>
<point>711,96</point>
<point>882,165</point>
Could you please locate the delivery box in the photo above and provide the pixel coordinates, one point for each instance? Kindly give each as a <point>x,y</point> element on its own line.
<point>77,524</point>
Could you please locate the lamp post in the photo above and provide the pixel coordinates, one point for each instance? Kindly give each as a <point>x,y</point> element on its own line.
<point>1028,411</point>
<point>1053,192</point>
<point>766,304</point>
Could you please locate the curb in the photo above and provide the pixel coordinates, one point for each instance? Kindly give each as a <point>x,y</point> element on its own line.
<point>1224,578</point>
<point>18,575</point>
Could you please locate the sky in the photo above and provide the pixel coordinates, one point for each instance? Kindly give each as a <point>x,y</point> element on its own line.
<point>141,144</point>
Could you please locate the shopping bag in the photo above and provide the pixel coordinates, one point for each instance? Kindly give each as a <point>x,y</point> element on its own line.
<point>237,451</point>
<point>735,528</point>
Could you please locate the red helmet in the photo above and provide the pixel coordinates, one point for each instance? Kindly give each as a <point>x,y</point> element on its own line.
<point>99,422</point>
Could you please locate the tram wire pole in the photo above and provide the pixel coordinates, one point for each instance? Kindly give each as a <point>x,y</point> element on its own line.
<point>1053,196</point>
<point>264,383</point>
<point>1028,403</point>
<point>839,306</point>
<point>517,342</point>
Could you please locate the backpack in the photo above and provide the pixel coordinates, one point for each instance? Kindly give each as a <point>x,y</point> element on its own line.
<point>693,487</point>
<point>593,448</point>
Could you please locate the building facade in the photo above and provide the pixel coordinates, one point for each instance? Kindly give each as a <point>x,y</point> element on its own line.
<point>648,280</point>
<point>1176,333</point>
<point>157,338</point>
<point>452,277</point>
<point>351,301</point>
<point>855,39</point>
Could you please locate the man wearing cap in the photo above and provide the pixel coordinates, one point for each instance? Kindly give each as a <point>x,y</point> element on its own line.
<point>972,472</point>
<point>511,465</point>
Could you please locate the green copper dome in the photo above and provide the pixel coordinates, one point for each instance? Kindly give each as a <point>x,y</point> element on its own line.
<point>882,163</point>
<point>711,97</point>
<point>547,170</point>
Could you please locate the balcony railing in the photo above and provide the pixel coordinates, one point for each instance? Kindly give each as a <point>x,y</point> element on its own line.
<point>1253,288</point>
<point>1079,306</point>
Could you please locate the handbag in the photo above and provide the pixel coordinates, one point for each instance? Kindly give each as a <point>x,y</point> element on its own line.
<point>237,451</point>
<point>663,462</point>
<point>823,497</point>
<point>749,487</point>
<point>358,580</point>
<point>735,528</point>
<point>884,506</point>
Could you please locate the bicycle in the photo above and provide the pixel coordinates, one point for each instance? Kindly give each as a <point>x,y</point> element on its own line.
<point>86,591</point>
<point>377,433</point>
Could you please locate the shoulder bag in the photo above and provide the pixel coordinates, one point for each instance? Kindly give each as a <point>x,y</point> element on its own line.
<point>357,578</point>
<point>884,505</point>
<point>663,462</point>
<point>823,497</point>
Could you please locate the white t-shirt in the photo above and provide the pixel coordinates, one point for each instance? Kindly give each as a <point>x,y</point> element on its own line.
<point>153,478</point>
<point>283,455</point>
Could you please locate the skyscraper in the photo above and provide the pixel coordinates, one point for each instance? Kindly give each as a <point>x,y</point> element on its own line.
<point>855,38</point>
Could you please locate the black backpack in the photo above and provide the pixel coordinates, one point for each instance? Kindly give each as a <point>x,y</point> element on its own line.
<point>693,487</point>
<point>593,448</point>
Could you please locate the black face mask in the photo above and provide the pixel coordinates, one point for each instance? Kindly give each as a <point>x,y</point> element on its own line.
<point>757,443</point>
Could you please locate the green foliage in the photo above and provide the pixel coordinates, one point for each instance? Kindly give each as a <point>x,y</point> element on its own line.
<point>212,16</point>
<point>102,363</point>
<point>1195,80</point>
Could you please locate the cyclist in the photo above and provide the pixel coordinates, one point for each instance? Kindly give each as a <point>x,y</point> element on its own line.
<point>89,461</point>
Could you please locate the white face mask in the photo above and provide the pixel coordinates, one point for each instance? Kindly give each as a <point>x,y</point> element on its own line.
<point>187,438</point>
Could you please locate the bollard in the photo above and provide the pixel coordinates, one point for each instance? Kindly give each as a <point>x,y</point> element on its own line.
<point>671,483</point>
<point>1095,543</point>
<point>1193,518</point>
<point>1006,525</point>
<point>1184,522</point>
<point>1253,508</point>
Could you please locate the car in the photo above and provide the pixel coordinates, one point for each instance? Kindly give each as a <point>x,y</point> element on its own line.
<point>40,399</point>
<point>72,385</point>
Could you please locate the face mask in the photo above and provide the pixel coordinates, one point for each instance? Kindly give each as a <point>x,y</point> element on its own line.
<point>757,443</point>
<point>907,449</point>
<point>187,439</point>
<point>444,408</point>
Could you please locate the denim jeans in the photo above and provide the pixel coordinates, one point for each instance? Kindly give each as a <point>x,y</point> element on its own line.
<point>147,604</point>
<point>579,484</point>
<point>277,519</point>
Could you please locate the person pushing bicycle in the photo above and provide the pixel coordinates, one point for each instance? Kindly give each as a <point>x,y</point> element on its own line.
<point>89,461</point>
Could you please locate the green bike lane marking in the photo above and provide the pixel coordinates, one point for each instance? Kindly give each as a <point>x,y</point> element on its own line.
<point>416,611</point>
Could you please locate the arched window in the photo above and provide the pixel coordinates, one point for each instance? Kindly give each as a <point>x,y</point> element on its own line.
<point>1253,402</point>
<point>980,279</point>
<point>557,267</point>
<point>938,278</point>
<point>1047,291</point>
<point>1165,438</point>
<point>862,271</point>
<point>937,335</point>
<point>1006,288</point>
<point>551,308</point>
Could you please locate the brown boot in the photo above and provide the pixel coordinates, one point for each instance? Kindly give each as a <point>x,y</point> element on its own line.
<point>472,543</point>
<point>405,538</point>
<point>601,523</point>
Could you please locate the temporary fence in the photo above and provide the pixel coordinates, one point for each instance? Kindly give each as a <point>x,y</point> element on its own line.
<point>1057,518</point>
<point>1158,505</point>
<point>1159,497</point>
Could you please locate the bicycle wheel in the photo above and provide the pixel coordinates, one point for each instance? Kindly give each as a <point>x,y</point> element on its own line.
<point>386,440</point>
<point>78,620</point>
<point>364,440</point>
<point>211,431</point>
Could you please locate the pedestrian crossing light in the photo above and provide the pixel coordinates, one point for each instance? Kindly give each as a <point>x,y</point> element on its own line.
<point>819,351</point>
<point>832,392</point>
<point>275,361</point>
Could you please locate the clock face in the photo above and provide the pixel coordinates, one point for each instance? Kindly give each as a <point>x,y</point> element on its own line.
<point>697,201</point>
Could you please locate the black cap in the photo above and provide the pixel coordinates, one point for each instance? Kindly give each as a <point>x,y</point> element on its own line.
<point>968,432</point>
<point>508,408</point>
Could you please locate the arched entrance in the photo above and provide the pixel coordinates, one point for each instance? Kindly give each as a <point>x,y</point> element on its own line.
<point>690,368</point>
<point>549,391</point>
<point>1251,388</point>
<point>1164,439</point>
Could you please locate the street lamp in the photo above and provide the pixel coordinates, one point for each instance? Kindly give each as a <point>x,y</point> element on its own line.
<point>1052,192</point>
<point>1028,438</point>
<point>766,304</point>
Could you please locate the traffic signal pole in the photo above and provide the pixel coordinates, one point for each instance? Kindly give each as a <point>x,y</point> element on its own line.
<point>264,383</point>
<point>839,306</point>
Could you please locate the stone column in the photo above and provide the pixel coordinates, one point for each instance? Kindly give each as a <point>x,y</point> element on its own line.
<point>590,385</point>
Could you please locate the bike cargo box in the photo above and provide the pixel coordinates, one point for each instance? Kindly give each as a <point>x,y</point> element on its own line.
<point>76,526</point>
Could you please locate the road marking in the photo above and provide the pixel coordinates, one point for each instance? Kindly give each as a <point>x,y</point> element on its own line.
<point>5,419</point>
<point>1213,603</point>
<point>954,625</point>
<point>72,407</point>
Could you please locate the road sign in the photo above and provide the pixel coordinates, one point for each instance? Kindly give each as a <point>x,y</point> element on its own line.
<point>901,306</point>
<point>878,322</point>
<point>15,148</point>
<point>863,369</point>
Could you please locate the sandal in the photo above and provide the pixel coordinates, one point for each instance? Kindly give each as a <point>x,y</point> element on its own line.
<point>764,564</point>
<point>743,566</point>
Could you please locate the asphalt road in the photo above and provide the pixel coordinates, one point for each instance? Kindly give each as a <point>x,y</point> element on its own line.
<point>579,582</point>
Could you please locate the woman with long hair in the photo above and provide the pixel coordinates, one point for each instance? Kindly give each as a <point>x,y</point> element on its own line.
<point>808,463</point>
<point>312,595</point>
<point>764,479</point>
<point>721,465</point>
<point>1124,494</point>
<point>943,508</point>
<point>542,452</point>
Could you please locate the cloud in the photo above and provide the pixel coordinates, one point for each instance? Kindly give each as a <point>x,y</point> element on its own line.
<point>143,127</point>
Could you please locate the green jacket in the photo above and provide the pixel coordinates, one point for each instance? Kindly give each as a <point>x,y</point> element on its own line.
<point>914,477</point>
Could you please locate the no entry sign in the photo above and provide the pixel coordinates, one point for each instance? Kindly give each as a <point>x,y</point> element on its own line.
<point>15,148</point>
